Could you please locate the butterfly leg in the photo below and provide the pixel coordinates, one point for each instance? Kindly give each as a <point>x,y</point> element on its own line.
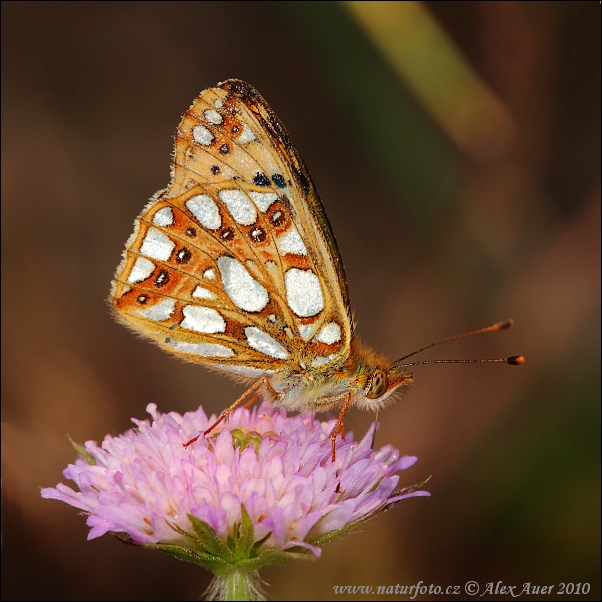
<point>252,400</point>
<point>254,388</point>
<point>339,427</point>
<point>271,392</point>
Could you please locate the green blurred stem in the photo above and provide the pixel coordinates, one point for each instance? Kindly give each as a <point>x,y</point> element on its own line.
<point>236,585</point>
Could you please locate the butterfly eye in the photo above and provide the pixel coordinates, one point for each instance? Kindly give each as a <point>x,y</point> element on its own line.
<point>379,383</point>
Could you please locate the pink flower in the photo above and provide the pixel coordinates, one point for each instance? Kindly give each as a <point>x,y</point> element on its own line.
<point>260,490</point>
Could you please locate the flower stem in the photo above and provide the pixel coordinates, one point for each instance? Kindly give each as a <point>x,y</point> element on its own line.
<point>236,585</point>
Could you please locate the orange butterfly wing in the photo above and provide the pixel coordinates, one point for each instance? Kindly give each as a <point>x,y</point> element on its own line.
<point>235,264</point>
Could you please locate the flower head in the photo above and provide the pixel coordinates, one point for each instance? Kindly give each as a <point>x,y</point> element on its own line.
<point>259,491</point>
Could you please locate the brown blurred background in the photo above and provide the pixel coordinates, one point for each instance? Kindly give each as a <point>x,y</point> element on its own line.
<point>456,147</point>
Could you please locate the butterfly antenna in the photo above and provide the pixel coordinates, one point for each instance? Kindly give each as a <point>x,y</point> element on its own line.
<point>515,360</point>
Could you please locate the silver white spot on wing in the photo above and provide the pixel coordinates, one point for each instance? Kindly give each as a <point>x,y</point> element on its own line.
<point>291,242</point>
<point>303,292</point>
<point>202,349</point>
<point>322,361</point>
<point>141,270</point>
<point>239,206</point>
<point>204,208</point>
<point>217,103</point>
<point>202,293</point>
<point>246,135</point>
<point>247,371</point>
<point>202,319</point>
<point>264,343</point>
<point>263,200</point>
<point>157,245</point>
<point>212,116</point>
<point>163,217</point>
<point>307,331</point>
<point>209,274</point>
<point>329,333</point>
<point>244,291</point>
<point>160,311</point>
<point>202,135</point>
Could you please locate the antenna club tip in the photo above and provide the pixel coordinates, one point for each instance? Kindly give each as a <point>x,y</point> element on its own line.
<point>505,324</point>
<point>516,360</point>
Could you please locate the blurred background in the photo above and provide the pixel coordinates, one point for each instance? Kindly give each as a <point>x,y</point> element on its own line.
<point>456,147</point>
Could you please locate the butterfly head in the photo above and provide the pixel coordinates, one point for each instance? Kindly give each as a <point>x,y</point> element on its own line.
<point>377,379</point>
<point>382,383</point>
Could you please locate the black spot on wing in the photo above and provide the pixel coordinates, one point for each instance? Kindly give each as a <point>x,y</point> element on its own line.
<point>260,179</point>
<point>279,180</point>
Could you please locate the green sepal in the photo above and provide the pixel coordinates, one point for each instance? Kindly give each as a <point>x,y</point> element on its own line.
<point>179,551</point>
<point>406,491</point>
<point>258,544</point>
<point>265,558</point>
<point>203,547</point>
<point>246,537</point>
<point>376,485</point>
<point>206,538</point>
<point>216,565</point>
<point>320,541</point>
<point>81,451</point>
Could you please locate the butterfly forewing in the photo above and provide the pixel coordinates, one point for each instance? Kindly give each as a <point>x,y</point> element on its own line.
<point>235,265</point>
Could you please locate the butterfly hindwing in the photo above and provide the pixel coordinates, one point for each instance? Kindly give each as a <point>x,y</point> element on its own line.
<point>235,265</point>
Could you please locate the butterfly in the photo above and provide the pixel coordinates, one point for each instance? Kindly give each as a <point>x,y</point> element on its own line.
<point>235,266</point>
